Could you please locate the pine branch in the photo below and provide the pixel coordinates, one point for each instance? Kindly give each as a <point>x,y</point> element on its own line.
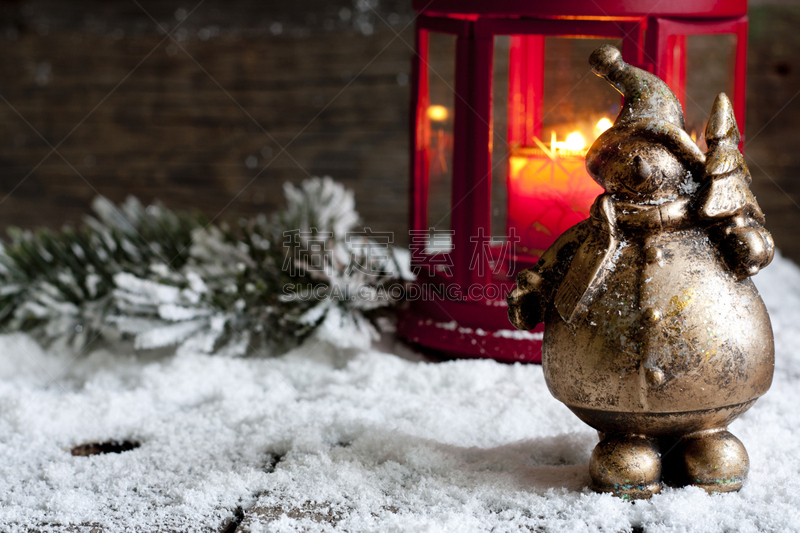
<point>167,279</point>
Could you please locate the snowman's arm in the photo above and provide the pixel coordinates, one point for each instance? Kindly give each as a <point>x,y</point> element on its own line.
<point>536,286</point>
<point>735,218</point>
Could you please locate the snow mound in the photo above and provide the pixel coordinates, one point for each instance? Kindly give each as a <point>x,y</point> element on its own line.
<point>320,440</point>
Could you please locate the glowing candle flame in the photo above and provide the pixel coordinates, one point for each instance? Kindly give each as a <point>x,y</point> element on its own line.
<point>602,125</point>
<point>575,141</point>
<point>438,113</point>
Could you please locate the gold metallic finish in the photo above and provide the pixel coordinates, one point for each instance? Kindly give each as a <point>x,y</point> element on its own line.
<point>654,255</point>
<point>627,466</point>
<point>713,460</point>
<point>654,377</point>
<point>652,315</point>
<point>654,333</point>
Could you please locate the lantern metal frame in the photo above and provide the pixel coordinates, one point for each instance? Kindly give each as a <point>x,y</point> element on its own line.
<point>653,37</point>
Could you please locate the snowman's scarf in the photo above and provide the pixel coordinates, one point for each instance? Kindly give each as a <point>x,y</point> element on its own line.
<point>594,259</point>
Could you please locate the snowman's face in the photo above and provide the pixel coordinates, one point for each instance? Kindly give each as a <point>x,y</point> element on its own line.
<point>640,171</point>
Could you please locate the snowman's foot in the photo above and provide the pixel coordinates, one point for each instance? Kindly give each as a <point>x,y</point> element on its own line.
<point>713,460</point>
<point>628,466</point>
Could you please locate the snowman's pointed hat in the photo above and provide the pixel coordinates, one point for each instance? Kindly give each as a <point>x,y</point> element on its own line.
<point>651,110</point>
<point>722,125</point>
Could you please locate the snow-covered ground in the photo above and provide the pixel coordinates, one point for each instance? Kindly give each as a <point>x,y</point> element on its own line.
<point>319,440</point>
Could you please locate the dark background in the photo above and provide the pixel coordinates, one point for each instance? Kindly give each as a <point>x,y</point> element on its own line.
<point>201,124</point>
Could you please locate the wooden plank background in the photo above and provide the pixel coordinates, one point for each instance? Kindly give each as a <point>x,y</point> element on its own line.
<point>201,125</point>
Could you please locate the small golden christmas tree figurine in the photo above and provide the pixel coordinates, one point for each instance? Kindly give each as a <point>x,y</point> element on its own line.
<point>654,333</point>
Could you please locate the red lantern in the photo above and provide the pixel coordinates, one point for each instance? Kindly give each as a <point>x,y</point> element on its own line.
<point>508,196</point>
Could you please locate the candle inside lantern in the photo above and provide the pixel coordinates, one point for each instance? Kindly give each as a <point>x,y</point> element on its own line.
<point>440,144</point>
<point>438,113</point>
<point>549,189</point>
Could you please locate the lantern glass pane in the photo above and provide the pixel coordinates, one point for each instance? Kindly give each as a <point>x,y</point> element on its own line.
<point>500,145</point>
<point>439,133</point>
<point>556,109</point>
<point>575,99</point>
<point>710,61</point>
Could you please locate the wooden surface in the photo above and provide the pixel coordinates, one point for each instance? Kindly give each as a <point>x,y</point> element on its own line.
<point>196,132</point>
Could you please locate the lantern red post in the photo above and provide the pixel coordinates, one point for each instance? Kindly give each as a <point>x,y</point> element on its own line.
<point>667,35</point>
<point>471,156</point>
<point>458,305</point>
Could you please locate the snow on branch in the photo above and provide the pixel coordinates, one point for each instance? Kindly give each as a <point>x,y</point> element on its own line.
<point>165,279</point>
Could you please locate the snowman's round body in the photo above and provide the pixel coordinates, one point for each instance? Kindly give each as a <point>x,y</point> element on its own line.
<point>654,333</point>
<point>671,344</point>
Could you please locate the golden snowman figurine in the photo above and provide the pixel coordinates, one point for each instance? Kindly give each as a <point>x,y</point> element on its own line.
<point>654,333</point>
